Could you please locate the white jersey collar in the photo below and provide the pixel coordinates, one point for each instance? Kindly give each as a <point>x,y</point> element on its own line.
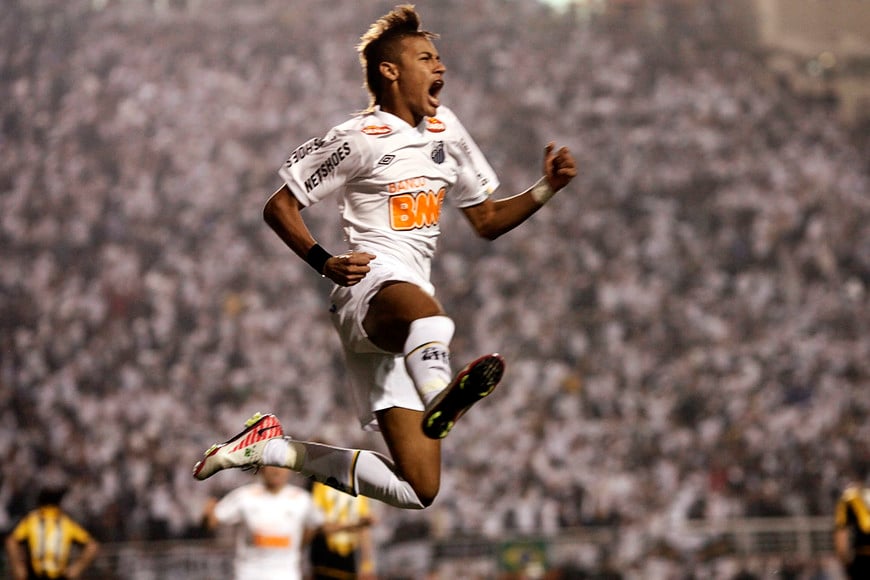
<point>398,123</point>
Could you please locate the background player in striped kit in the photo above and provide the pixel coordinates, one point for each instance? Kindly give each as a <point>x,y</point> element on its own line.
<point>852,528</point>
<point>393,166</point>
<point>50,536</point>
<point>349,552</point>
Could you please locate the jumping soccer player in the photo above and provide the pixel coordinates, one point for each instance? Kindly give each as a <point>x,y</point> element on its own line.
<point>393,166</point>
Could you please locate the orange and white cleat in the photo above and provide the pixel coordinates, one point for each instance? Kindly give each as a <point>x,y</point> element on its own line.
<point>244,451</point>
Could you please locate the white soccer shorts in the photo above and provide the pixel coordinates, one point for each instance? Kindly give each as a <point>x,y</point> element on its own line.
<point>378,379</point>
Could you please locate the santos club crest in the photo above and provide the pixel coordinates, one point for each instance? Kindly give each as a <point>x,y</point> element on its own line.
<point>438,152</point>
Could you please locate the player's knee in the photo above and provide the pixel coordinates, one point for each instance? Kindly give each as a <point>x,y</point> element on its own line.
<point>427,500</point>
<point>426,494</point>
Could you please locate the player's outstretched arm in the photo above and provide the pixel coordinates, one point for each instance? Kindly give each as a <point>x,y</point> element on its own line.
<point>283,213</point>
<point>559,167</point>
<point>492,218</point>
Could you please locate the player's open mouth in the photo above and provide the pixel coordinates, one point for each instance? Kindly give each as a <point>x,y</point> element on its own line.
<point>434,90</point>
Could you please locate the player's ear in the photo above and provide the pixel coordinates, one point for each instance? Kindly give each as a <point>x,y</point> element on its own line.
<point>389,70</point>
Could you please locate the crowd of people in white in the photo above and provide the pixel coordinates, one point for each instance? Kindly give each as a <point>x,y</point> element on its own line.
<point>686,326</point>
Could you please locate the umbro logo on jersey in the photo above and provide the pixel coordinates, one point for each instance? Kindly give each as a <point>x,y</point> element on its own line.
<point>386,159</point>
<point>377,130</point>
<point>434,125</point>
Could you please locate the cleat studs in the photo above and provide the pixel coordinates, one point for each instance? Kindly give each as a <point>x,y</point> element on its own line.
<point>254,418</point>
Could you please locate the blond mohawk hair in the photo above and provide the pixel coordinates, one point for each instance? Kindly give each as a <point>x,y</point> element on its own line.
<point>380,44</point>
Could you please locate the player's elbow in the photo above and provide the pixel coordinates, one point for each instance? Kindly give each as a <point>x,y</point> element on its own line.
<point>93,548</point>
<point>280,204</point>
<point>490,234</point>
<point>488,230</point>
<point>270,210</point>
<point>484,220</point>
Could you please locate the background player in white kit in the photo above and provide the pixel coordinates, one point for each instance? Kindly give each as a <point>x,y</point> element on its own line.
<point>393,167</point>
<point>274,520</point>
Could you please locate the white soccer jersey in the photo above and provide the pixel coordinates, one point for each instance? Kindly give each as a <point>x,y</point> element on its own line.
<point>269,543</point>
<point>392,179</point>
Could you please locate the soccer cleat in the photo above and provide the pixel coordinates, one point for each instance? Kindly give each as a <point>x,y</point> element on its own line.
<point>470,385</point>
<point>245,450</point>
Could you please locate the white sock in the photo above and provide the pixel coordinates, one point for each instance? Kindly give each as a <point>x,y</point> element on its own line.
<point>377,478</point>
<point>284,452</point>
<point>353,471</point>
<point>427,355</point>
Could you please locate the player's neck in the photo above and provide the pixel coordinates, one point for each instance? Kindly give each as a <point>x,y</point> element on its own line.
<point>402,112</point>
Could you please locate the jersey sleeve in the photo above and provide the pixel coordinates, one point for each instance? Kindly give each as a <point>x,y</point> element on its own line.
<point>76,532</point>
<point>362,506</point>
<point>315,516</point>
<point>319,495</point>
<point>320,167</point>
<point>841,516</point>
<point>476,179</point>
<point>22,530</point>
<point>229,509</point>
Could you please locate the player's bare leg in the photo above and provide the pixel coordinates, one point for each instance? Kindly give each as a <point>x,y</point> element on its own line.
<point>393,309</point>
<point>404,318</point>
<point>354,471</point>
<point>417,457</point>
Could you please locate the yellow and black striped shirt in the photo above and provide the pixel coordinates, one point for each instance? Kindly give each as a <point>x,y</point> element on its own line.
<point>50,535</point>
<point>853,513</point>
<point>341,508</point>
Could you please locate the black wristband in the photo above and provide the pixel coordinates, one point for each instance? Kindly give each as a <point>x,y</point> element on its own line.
<point>317,257</point>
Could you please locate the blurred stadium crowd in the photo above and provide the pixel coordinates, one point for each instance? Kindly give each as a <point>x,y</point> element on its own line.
<point>686,327</point>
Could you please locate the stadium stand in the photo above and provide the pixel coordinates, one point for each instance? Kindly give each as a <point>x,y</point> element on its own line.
<point>699,348</point>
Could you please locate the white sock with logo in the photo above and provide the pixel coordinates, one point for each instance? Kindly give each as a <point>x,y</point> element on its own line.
<point>427,355</point>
